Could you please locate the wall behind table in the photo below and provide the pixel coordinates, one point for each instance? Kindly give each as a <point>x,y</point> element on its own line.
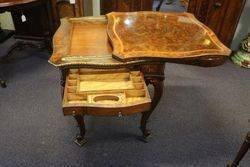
<point>243,27</point>
<point>96,7</point>
<point>6,21</point>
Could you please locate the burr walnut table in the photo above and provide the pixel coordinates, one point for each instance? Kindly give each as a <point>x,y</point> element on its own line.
<point>107,62</point>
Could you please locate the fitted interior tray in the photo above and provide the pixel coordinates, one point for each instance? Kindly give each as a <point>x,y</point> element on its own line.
<point>96,92</point>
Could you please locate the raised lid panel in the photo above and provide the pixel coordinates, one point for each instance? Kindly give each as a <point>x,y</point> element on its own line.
<point>152,35</point>
<point>106,90</point>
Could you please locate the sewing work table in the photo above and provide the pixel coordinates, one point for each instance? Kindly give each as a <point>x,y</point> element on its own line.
<point>107,62</point>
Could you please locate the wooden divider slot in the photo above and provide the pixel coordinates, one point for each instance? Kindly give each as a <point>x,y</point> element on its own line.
<point>105,89</point>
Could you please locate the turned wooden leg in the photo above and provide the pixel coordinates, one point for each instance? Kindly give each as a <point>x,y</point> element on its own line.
<point>80,140</point>
<point>243,150</point>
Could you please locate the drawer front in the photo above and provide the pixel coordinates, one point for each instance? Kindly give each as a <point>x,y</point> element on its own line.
<point>105,93</point>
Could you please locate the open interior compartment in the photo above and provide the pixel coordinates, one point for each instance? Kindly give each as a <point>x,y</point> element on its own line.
<point>105,89</point>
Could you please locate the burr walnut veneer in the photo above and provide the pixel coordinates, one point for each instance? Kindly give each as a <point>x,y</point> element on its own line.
<point>107,63</point>
<point>138,35</point>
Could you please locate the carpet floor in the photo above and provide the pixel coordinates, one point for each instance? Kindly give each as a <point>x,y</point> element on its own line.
<point>201,120</point>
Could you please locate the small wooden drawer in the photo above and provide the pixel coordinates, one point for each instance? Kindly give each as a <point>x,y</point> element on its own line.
<point>105,93</point>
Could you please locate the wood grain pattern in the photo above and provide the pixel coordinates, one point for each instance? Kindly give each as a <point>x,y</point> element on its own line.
<point>151,35</point>
<point>128,94</point>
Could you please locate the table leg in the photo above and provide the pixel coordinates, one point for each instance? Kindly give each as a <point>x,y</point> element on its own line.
<point>153,74</point>
<point>80,140</point>
<point>158,89</point>
<point>20,45</point>
<point>243,150</point>
<point>63,80</point>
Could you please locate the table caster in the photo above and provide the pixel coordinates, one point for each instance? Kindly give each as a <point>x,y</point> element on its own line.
<point>145,135</point>
<point>80,141</point>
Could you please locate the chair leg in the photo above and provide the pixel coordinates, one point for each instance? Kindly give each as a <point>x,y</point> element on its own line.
<point>243,150</point>
<point>159,5</point>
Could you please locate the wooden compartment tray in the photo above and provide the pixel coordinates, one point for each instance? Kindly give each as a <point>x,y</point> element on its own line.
<point>96,92</point>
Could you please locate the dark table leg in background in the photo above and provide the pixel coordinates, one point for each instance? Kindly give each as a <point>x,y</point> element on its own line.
<point>243,150</point>
<point>63,80</point>
<point>3,83</point>
<point>20,45</point>
<point>153,74</point>
<point>80,140</point>
<point>4,35</point>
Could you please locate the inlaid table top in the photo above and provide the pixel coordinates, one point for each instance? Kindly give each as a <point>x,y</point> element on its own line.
<point>161,35</point>
<point>123,39</point>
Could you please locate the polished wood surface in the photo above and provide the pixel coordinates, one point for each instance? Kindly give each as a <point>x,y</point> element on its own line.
<point>108,6</point>
<point>142,35</point>
<point>105,93</point>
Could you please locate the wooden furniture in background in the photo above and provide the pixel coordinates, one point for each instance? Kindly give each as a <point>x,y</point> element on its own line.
<point>38,25</point>
<point>108,6</point>
<point>243,150</point>
<point>33,22</point>
<point>63,8</point>
<point>82,51</point>
<point>221,16</point>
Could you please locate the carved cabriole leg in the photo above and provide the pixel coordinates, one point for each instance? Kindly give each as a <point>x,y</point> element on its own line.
<point>243,150</point>
<point>153,74</point>
<point>80,140</point>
